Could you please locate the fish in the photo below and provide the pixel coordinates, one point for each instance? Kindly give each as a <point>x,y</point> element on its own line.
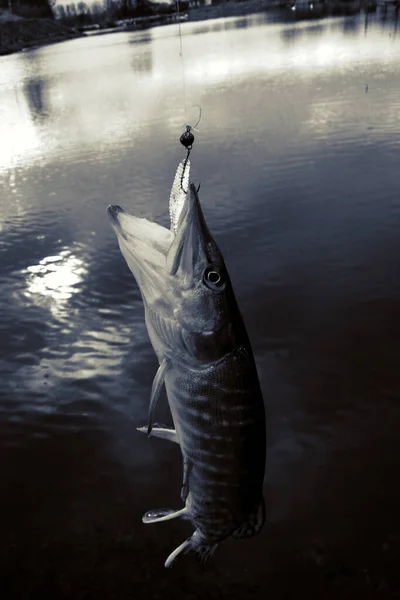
<point>207,366</point>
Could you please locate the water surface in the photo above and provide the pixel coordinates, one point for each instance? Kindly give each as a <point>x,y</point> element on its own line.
<point>298,158</point>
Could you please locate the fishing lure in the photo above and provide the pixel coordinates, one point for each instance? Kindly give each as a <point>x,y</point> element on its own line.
<point>187,140</point>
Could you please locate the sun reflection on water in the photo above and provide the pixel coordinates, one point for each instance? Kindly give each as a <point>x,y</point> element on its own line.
<point>56,277</point>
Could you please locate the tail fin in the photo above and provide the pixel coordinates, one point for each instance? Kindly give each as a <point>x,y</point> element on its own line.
<point>201,550</point>
<point>254,523</point>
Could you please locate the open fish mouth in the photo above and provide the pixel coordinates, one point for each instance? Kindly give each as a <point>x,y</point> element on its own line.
<point>145,246</point>
<point>153,252</point>
<point>175,267</point>
<point>142,232</point>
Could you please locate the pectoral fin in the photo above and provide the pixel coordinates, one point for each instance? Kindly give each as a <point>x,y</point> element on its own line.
<point>164,514</point>
<point>202,551</point>
<point>155,392</point>
<point>161,432</point>
<point>187,467</point>
<point>253,525</point>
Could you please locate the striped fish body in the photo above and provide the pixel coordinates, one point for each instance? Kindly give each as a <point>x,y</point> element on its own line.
<point>219,418</point>
<point>207,366</point>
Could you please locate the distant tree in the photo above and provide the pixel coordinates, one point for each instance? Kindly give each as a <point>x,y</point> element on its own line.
<point>82,8</point>
<point>97,9</point>
<point>29,8</point>
<point>60,12</point>
<point>68,14</point>
<point>144,7</point>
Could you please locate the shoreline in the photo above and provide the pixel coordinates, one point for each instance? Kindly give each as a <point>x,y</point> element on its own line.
<point>18,34</point>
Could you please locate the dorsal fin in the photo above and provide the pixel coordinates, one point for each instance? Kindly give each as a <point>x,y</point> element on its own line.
<point>253,524</point>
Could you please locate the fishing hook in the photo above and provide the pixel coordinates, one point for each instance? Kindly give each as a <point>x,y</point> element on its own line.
<point>184,168</point>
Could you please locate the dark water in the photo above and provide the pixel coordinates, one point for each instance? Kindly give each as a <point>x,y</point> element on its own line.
<point>299,168</point>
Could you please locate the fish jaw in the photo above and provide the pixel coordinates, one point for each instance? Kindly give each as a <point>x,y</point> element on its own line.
<point>144,245</point>
<point>193,248</point>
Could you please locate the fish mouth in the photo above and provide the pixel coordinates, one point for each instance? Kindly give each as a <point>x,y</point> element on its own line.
<point>145,246</point>
<point>175,274</point>
<point>113,211</point>
<point>193,247</point>
<point>166,262</point>
<point>155,252</point>
<point>144,240</point>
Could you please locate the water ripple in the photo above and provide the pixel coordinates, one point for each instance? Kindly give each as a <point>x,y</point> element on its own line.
<point>298,161</point>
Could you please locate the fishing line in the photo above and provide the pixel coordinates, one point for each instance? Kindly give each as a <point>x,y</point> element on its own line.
<point>187,138</point>
<point>182,61</point>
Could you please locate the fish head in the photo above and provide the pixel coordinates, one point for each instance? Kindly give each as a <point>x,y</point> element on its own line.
<point>206,302</point>
<point>186,289</point>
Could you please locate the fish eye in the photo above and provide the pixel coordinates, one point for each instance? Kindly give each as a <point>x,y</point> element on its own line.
<point>213,278</point>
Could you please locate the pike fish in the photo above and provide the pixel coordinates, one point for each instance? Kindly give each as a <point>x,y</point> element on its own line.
<point>207,367</point>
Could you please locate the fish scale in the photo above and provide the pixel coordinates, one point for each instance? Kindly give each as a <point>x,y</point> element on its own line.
<point>191,397</point>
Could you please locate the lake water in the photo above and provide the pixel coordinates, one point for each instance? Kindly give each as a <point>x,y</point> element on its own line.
<point>298,158</point>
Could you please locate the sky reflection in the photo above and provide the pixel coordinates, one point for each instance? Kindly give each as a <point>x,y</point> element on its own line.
<point>19,139</point>
<point>101,97</point>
